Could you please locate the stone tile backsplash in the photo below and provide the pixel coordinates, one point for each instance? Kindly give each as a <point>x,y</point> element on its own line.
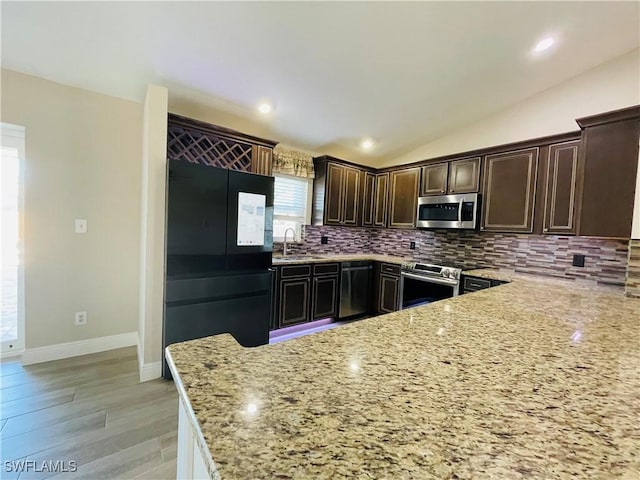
<point>632,288</point>
<point>341,240</point>
<point>606,260</point>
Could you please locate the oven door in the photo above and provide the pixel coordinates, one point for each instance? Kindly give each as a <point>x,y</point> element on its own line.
<point>448,211</point>
<point>421,290</point>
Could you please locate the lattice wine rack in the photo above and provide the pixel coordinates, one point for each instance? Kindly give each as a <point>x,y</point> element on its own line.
<point>197,142</point>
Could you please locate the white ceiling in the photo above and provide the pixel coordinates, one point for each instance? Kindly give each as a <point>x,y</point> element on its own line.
<point>401,73</point>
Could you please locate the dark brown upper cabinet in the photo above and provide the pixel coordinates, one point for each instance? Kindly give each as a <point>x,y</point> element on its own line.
<point>190,140</point>
<point>337,193</point>
<point>351,196</point>
<point>509,191</point>
<point>561,187</point>
<point>380,200</point>
<point>334,198</point>
<point>434,179</point>
<point>457,176</point>
<point>262,160</point>
<point>610,152</point>
<point>464,176</point>
<point>403,197</point>
<point>368,198</point>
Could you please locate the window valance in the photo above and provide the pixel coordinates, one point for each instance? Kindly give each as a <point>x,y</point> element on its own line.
<point>292,162</point>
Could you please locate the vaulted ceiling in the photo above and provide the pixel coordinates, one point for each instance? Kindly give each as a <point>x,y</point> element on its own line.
<point>400,73</point>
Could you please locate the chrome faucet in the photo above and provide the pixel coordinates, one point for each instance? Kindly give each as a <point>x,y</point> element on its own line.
<point>284,248</point>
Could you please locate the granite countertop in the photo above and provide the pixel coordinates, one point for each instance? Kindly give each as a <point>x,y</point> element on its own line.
<point>527,380</point>
<point>343,257</point>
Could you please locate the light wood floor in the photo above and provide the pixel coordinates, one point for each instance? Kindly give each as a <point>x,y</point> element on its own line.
<point>91,410</point>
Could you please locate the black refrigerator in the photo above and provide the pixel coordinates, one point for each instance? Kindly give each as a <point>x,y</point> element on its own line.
<point>219,243</point>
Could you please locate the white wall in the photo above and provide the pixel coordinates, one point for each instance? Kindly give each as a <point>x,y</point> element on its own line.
<point>83,155</point>
<point>152,228</point>
<point>610,86</point>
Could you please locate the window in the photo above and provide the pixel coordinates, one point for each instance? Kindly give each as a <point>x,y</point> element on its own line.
<point>291,206</point>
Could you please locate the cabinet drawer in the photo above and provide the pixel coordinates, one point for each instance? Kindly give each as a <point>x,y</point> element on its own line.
<point>326,269</point>
<point>291,271</point>
<point>471,284</point>
<point>390,269</point>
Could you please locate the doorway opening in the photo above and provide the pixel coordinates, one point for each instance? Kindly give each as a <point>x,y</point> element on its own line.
<point>11,228</point>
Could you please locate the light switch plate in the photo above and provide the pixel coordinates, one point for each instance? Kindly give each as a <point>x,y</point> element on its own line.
<point>81,225</point>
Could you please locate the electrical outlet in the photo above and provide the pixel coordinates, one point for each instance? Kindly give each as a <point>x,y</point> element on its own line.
<point>578,260</point>
<point>324,239</point>
<point>412,245</point>
<point>81,318</point>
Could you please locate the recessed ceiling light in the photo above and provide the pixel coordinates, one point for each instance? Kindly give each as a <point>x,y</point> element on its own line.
<point>265,107</point>
<point>367,144</point>
<point>544,44</point>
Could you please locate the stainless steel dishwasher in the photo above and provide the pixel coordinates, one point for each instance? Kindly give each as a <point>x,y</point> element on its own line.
<point>355,288</point>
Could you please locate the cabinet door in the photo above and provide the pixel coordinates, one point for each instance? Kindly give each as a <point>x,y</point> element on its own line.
<point>464,176</point>
<point>610,168</point>
<point>368,191</point>
<point>261,160</point>
<point>388,293</point>
<point>509,191</point>
<point>325,294</point>
<point>273,321</point>
<point>434,179</point>
<point>351,196</point>
<point>404,197</point>
<point>560,189</point>
<point>380,200</point>
<point>334,199</point>
<point>293,301</point>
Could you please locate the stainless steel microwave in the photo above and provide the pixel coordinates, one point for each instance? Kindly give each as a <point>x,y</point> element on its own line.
<point>449,211</point>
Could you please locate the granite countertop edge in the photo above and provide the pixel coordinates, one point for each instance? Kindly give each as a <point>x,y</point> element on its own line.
<point>193,421</point>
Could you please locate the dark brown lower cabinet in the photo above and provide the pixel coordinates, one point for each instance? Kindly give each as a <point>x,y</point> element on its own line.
<point>306,292</point>
<point>473,284</point>
<point>389,293</point>
<point>273,317</point>
<point>324,292</point>
<point>294,292</point>
<point>294,305</point>
<point>388,287</point>
<point>325,296</point>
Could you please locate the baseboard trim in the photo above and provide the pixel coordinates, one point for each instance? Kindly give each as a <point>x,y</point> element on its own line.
<point>150,371</point>
<point>11,354</point>
<point>82,347</point>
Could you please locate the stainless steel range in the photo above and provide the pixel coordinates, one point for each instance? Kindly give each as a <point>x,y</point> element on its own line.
<point>422,283</point>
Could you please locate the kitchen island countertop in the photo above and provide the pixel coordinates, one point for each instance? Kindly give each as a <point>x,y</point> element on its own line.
<point>533,379</point>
